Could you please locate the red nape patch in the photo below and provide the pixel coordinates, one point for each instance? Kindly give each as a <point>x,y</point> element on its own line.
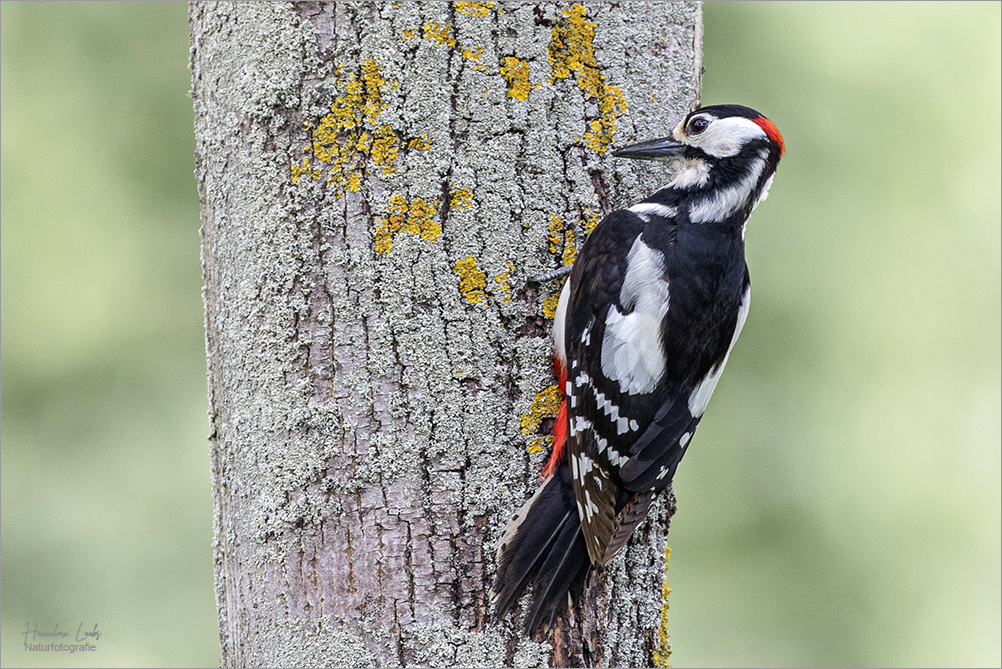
<point>560,426</point>
<point>773,132</point>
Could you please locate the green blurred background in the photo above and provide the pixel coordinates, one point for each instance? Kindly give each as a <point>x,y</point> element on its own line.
<point>843,504</point>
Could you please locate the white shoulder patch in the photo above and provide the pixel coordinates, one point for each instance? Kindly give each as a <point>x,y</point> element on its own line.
<point>653,208</point>
<point>700,395</point>
<point>632,351</point>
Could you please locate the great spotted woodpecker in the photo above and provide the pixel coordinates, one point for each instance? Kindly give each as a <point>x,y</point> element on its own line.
<point>644,325</point>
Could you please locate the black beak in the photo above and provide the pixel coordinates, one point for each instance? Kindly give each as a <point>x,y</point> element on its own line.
<point>652,149</point>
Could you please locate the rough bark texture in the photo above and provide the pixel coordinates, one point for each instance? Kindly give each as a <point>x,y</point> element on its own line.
<point>377,183</point>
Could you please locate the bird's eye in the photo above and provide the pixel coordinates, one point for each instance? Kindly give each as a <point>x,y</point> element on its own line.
<point>698,125</point>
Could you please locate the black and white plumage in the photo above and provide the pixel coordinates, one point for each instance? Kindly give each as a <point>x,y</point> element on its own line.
<point>646,320</point>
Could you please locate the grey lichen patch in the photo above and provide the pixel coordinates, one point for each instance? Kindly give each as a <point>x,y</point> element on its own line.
<point>445,644</point>
<point>366,440</point>
<point>300,642</point>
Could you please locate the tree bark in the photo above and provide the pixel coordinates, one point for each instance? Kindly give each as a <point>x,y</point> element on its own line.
<point>378,181</point>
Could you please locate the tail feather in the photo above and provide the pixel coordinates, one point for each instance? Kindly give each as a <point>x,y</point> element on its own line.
<point>557,575</point>
<point>525,564</point>
<point>542,546</point>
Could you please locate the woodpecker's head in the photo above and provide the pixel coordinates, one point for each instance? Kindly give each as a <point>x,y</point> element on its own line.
<point>724,158</point>
<point>712,134</point>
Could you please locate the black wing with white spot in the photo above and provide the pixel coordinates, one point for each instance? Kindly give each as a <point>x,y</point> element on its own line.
<point>639,371</point>
<point>617,302</point>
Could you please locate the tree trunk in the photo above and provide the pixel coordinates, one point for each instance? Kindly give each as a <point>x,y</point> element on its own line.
<point>378,181</point>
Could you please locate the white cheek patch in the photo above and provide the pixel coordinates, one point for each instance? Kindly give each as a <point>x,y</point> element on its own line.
<point>725,202</point>
<point>632,352</point>
<point>700,396</point>
<point>725,136</point>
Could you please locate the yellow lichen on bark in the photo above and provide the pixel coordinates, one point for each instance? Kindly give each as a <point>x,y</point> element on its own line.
<point>516,73</point>
<point>562,238</point>
<point>472,54</point>
<point>374,82</point>
<point>570,253</point>
<point>474,8</point>
<point>556,233</point>
<point>440,35</point>
<point>420,143</point>
<point>351,133</point>
<point>545,404</point>
<point>550,305</point>
<point>504,283</point>
<point>572,51</point>
<point>538,444</point>
<point>588,223</point>
<point>662,649</point>
<point>305,169</point>
<point>461,198</point>
<point>472,281</point>
<point>417,217</point>
<point>383,149</point>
